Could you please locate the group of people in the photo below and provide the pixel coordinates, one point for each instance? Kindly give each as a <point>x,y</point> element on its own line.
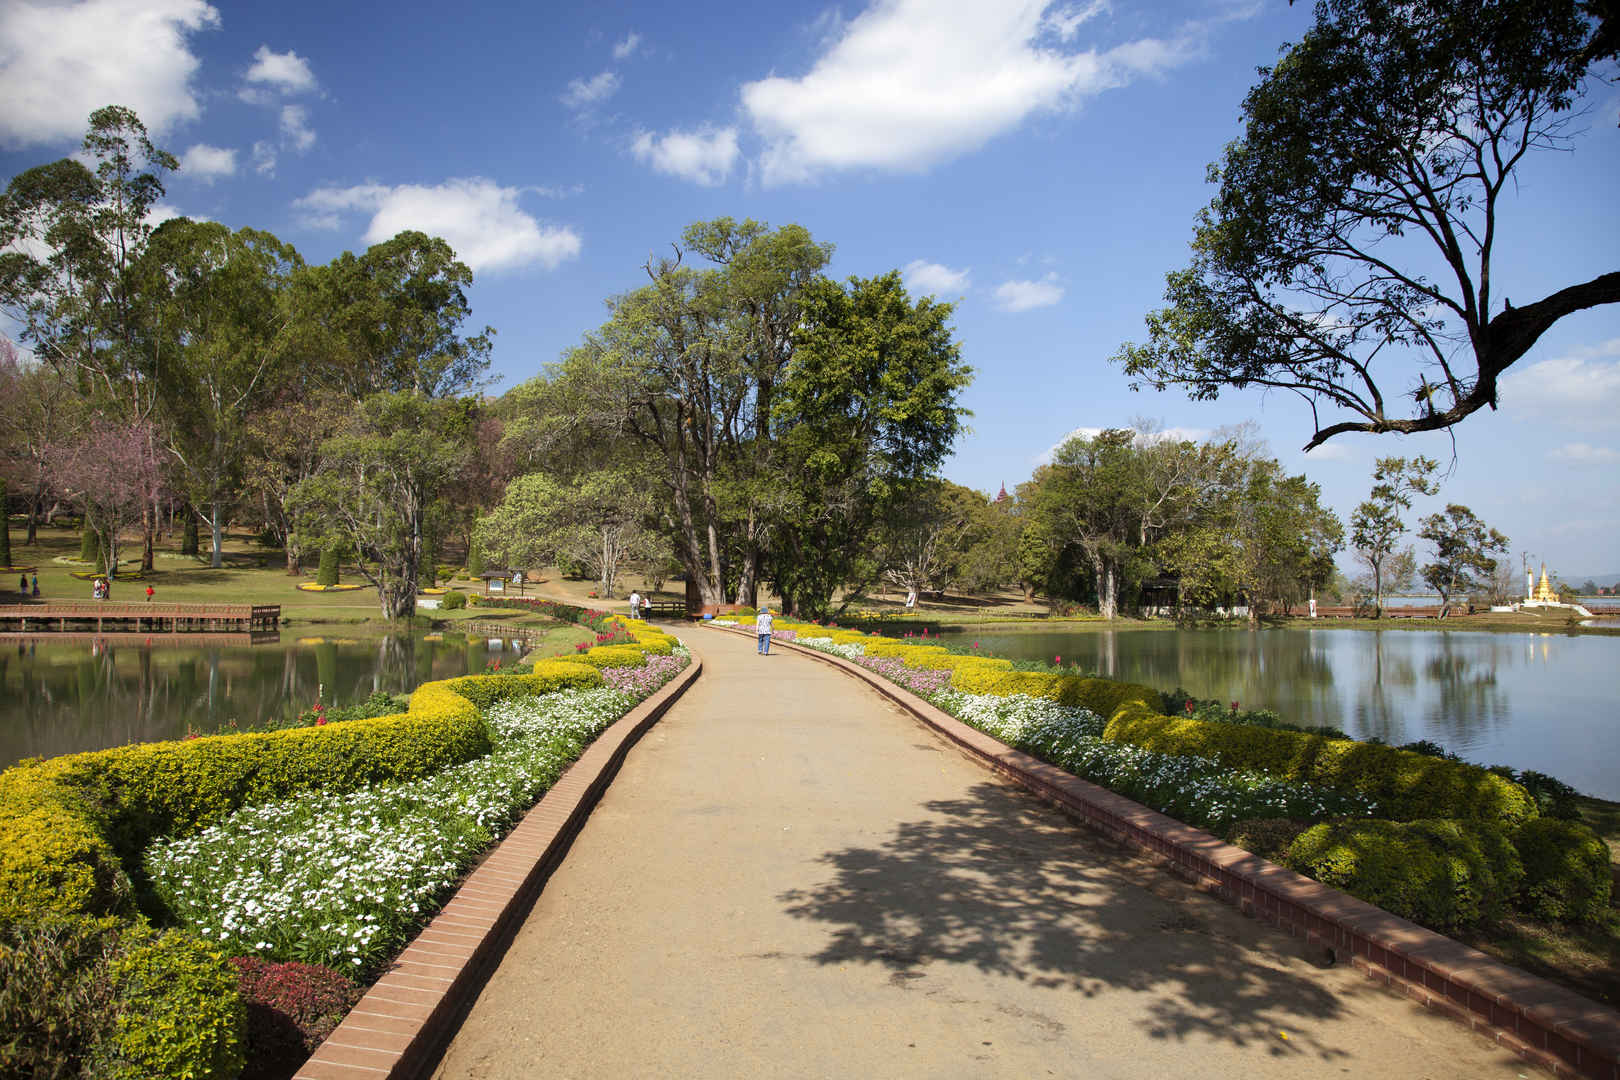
<point>639,605</point>
<point>22,585</point>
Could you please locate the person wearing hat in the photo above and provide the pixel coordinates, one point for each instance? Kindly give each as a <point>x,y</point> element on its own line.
<point>762,627</point>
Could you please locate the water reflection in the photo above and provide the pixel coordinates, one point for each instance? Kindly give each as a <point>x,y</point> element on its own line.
<point>1531,701</point>
<point>66,696</point>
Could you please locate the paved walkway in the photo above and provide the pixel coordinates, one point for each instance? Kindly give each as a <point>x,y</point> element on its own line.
<point>791,877</point>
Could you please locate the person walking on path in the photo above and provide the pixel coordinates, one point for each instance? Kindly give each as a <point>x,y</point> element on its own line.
<point>36,585</point>
<point>635,604</point>
<point>149,594</point>
<point>762,627</point>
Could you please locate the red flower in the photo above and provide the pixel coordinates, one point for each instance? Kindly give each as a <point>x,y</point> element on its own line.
<point>1234,706</point>
<point>319,720</point>
<point>1057,661</point>
<point>1189,708</point>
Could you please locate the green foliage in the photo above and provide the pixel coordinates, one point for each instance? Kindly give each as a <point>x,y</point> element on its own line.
<point>453,601</point>
<point>180,1014</point>
<point>600,520</point>
<point>1441,874</point>
<point>606,656</point>
<point>103,998</point>
<point>475,560</point>
<point>1267,837</point>
<point>1105,697</point>
<point>57,1003</point>
<point>328,572</point>
<point>1331,251</point>
<point>1566,871</point>
<point>543,678</point>
<point>88,545</point>
<point>1407,786</point>
<point>1462,552</point>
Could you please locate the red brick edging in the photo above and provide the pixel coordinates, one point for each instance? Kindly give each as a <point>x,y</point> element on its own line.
<point>402,1024</point>
<point>1541,1022</point>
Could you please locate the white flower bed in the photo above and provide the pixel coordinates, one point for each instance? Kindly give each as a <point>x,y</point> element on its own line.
<point>342,880</point>
<point>848,650</point>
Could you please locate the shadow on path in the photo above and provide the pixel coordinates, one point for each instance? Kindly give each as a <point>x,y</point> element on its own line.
<point>1001,883</point>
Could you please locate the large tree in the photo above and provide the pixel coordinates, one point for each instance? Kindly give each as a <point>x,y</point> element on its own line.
<point>1349,256</point>
<point>71,240</point>
<point>377,486</point>
<point>1463,548</point>
<point>219,311</point>
<point>602,521</point>
<point>868,410</point>
<point>1376,525</point>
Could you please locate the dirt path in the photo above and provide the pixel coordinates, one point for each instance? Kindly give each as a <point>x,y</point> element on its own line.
<point>790,877</point>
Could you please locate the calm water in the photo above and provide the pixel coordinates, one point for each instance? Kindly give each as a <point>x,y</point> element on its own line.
<point>1532,701</point>
<point>62,697</point>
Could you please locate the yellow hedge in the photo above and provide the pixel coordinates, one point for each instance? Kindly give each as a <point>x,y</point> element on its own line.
<point>957,661</point>
<point>904,650</point>
<point>1407,785</point>
<point>606,656</point>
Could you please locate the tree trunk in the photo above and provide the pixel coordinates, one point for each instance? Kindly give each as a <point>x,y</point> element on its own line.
<point>218,533</point>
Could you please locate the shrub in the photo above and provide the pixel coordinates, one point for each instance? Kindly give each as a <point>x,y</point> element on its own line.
<point>453,601</point>
<point>1566,868</point>
<point>546,676</point>
<point>1267,837</point>
<point>57,1004</point>
<point>291,1007</point>
<point>1440,873</point>
<point>180,1014</point>
<point>911,654</point>
<point>1406,785</point>
<point>327,574</point>
<point>606,656</point>
<point>1102,696</point>
<point>957,661</point>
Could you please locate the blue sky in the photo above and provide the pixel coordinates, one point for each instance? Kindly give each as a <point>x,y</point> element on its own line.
<point>1039,163</point>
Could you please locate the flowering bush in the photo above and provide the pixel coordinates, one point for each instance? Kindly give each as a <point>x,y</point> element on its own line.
<point>922,681</point>
<point>848,650</point>
<point>640,682</point>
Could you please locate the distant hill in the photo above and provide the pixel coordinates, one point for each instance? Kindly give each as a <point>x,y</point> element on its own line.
<point>1596,579</point>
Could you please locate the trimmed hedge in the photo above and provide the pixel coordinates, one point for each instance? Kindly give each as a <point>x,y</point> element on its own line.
<point>904,650</point>
<point>1440,873</point>
<point>1408,786</point>
<point>543,678</point>
<point>958,661</point>
<point>606,656</point>
<point>86,996</point>
<point>181,1014</point>
<point>1566,868</point>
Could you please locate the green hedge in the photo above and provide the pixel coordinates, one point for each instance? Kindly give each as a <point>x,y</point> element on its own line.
<point>1102,696</point>
<point>1441,873</point>
<point>1566,868</point>
<point>543,678</point>
<point>1407,785</point>
<point>606,656</point>
<point>101,997</point>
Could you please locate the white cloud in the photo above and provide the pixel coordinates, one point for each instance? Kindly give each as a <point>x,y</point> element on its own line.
<point>626,48</point>
<point>479,218</point>
<point>264,158</point>
<point>59,62</point>
<point>1028,295</point>
<point>583,93</point>
<point>932,279</point>
<point>704,157</point>
<point>1579,453</point>
<point>1583,383</point>
<point>295,129</point>
<point>207,163</point>
<point>286,73</point>
<point>909,83</point>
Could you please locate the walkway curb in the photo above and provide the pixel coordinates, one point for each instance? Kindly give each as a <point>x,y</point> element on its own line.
<point>403,1023</point>
<point>1543,1023</point>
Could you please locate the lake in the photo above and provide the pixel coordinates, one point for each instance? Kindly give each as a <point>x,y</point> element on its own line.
<point>1533,701</point>
<point>61,697</point>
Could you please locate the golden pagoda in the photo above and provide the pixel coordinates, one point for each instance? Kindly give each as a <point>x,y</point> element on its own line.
<point>1544,593</point>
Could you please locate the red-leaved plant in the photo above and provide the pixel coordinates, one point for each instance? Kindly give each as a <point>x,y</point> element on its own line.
<point>291,1008</point>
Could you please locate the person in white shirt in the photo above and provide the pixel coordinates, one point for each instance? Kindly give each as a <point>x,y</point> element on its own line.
<point>635,604</point>
<point>762,627</point>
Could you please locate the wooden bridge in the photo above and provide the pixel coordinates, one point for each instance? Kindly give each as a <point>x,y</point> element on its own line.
<point>100,616</point>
